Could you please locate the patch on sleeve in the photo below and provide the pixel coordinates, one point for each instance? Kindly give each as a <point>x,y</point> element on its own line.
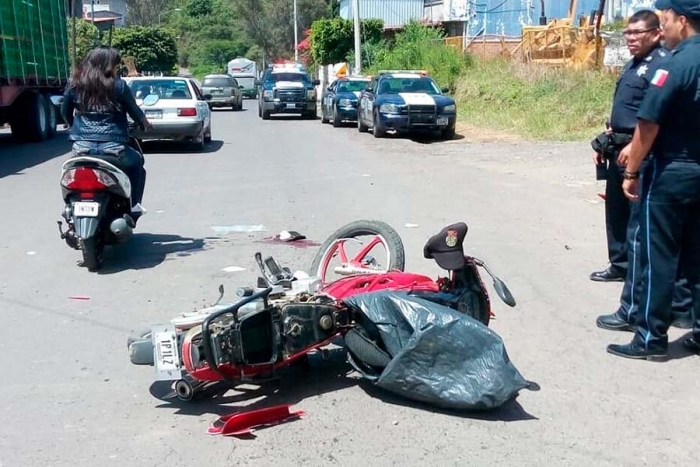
<point>659,77</point>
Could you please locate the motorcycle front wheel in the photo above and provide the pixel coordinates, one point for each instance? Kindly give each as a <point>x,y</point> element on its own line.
<point>362,262</point>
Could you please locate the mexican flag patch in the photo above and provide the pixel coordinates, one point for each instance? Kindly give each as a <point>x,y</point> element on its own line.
<point>659,78</point>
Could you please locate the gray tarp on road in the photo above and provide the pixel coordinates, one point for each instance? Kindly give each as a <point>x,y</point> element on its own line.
<point>439,356</point>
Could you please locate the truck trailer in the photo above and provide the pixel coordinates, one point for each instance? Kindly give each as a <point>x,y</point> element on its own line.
<point>34,65</point>
<point>246,72</point>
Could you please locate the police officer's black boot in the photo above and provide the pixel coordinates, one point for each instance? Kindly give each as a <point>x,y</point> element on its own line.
<point>692,344</point>
<point>632,350</point>
<point>615,322</point>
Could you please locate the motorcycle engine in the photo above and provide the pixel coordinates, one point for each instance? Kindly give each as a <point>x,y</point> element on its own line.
<point>306,324</point>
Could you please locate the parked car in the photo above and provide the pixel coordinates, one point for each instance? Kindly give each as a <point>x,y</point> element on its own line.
<point>405,101</point>
<point>225,91</point>
<point>177,109</point>
<point>339,100</point>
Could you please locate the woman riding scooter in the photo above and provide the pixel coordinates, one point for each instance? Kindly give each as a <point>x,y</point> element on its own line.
<point>101,101</point>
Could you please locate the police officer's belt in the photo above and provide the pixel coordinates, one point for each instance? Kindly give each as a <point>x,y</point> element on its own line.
<point>610,144</point>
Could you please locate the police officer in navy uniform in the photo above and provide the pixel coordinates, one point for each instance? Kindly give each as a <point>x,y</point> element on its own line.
<point>669,126</point>
<point>643,36</point>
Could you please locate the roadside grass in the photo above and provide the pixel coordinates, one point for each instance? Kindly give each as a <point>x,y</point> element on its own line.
<point>533,101</point>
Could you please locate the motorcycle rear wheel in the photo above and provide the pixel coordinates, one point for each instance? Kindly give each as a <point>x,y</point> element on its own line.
<point>93,253</point>
<point>385,233</point>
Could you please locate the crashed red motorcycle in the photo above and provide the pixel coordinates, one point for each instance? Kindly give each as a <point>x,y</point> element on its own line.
<point>292,314</point>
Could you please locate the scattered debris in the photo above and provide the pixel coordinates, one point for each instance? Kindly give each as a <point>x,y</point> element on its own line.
<point>227,229</point>
<point>243,423</point>
<point>411,226</point>
<point>79,297</point>
<point>31,253</point>
<point>366,175</point>
<point>567,247</point>
<point>290,236</point>
<point>602,196</point>
<point>160,212</point>
<point>233,269</point>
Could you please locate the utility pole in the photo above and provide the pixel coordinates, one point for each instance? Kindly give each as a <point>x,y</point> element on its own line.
<point>296,39</point>
<point>356,17</point>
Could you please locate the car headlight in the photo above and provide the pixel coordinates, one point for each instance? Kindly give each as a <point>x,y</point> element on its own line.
<point>389,108</point>
<point>311,94</point>
<point>268,93</point>
<point>345,102</point>
<point>449,108</point>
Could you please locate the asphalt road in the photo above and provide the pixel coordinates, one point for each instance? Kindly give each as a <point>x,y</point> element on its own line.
<point>70,397</point>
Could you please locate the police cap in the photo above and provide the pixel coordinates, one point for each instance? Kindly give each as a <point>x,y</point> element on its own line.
<point>689,8</point>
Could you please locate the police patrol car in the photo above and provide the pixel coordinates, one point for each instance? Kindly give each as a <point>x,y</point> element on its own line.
<point>287,88</point>
<point>404,101</point>
<point>340,99</point>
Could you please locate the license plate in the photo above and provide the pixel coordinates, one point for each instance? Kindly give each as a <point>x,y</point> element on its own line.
<point>442,121</point>
<point>291,106</point>
<point>154,114</point>
<point>166,355</point>
<point>85,209</point>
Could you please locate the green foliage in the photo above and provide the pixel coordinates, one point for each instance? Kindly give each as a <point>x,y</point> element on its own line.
<point>218,52</point>
<point>424,48</point>
<point>332,40</point>
<point>199,8</point>
<point>534,101</point>
<point>153,49</point>
<point>86,37</point>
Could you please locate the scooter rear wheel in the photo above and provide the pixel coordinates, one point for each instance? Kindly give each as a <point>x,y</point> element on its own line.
<point>93,252</point>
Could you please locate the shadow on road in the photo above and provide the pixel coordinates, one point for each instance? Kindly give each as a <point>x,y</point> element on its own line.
<point>16,157</point>
<point>296,384</point>
<point>145,251</point>
<point>172,147</point>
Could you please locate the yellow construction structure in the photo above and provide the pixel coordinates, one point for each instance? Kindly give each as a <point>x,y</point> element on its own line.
<point>562,42</point>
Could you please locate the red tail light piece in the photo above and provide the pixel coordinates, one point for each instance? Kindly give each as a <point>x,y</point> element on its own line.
<point>84,179</point>
<point>187,112</point>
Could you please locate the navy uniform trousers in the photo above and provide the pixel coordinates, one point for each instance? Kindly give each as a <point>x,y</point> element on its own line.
<point>670,232</point>
<point>682,300</point>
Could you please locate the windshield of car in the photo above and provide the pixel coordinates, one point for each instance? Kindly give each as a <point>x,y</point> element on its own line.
<point>217,82</point>
<point>163,88</point>
<point>397,85</point>
<point>277,77</point>
<point>352,86</point>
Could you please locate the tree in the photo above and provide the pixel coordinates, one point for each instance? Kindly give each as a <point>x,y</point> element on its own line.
<point>199,8</point>
<point>86,37</point>
<point>147,12</point>
<point>153,49</point>
<point>270,23</point>
<point>332,40</point>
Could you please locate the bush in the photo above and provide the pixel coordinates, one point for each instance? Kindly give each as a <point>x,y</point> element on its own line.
<point>421,47</point>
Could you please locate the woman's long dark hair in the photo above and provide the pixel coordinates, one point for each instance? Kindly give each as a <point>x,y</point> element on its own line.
<point>93,81</point>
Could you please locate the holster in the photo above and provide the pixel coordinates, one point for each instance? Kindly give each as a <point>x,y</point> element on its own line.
<point>609,145</point>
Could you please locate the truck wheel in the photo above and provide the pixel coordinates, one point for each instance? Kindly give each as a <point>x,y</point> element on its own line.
<point>52,113</point>
<point>30,117</point>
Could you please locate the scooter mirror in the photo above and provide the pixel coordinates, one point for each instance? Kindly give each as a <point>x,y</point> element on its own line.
<point>150,99</point>
<point>503,292</point>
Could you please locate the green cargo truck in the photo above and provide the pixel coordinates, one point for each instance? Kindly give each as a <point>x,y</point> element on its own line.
<point>34,65</point>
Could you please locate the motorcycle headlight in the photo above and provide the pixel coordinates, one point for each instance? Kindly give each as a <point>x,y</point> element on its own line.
<point>449,108</point>
<point>268,93</point>
<point>345,102</point>
<point>389,108</point>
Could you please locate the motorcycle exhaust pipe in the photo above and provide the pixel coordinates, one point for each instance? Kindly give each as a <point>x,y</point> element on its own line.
<point>121,229</point>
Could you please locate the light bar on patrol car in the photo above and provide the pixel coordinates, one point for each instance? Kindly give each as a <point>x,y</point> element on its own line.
<point>417,72</point>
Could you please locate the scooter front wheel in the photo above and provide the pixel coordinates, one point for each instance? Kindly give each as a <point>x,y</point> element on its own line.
<point>93,252</point>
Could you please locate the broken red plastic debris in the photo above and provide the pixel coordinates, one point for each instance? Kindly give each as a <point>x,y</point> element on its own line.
<point>242,423</point>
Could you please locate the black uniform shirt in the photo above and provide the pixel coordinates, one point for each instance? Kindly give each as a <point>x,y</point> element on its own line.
<point>631,88</point>
<point>673,103</point>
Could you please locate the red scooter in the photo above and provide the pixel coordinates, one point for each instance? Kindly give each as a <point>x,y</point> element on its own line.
<point>291,315</point>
